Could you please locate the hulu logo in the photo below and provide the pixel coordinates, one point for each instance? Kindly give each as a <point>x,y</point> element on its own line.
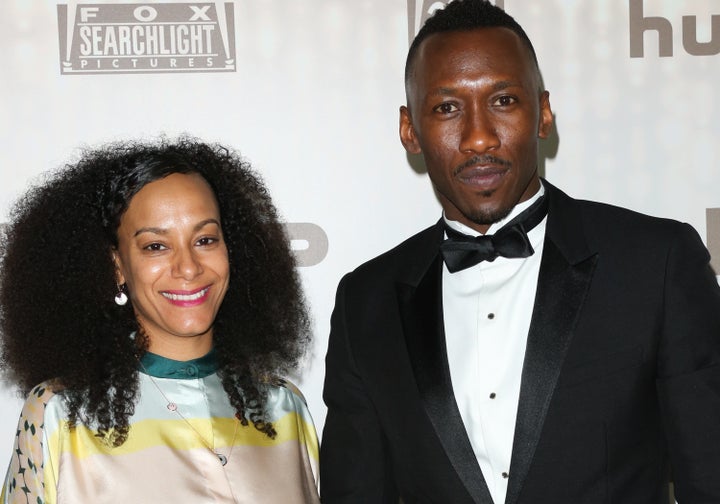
<point>640,24</point>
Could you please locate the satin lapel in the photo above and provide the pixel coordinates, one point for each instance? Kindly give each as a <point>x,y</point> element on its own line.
<point>561,291</point>
<point>422,317</point>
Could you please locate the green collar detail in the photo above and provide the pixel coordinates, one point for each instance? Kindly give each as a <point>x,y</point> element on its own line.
<point>162,367</point>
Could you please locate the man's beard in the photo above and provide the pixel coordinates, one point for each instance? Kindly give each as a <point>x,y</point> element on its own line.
<point>480,216</point>
<point>487,217</point>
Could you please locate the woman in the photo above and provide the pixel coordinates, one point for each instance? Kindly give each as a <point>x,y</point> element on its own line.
<point>151,291</point>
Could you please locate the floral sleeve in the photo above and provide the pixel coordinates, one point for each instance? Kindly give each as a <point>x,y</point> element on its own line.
<point>24,480</point>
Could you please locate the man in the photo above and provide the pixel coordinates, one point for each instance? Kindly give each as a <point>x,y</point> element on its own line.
<point>574,364</point>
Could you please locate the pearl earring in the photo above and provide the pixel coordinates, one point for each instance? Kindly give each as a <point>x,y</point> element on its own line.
<point>121,298</point>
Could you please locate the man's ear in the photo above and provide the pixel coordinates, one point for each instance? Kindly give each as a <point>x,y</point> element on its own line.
<point>546,116</point>
<point>407,132</point>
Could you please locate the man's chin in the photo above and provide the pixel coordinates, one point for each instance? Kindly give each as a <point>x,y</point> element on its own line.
<point>488,216</point>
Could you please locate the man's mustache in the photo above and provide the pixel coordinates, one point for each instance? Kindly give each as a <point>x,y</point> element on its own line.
<point>485,159</point>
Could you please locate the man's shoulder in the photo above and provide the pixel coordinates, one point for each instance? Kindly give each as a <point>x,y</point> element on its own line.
<point>608,228</point>
<point>414,252</point>
<point>605,218</point>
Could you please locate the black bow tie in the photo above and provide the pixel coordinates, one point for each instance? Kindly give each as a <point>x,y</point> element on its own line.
<point>461,251</point>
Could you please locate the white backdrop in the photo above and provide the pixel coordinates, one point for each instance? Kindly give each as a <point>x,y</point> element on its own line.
<point>308,91</point>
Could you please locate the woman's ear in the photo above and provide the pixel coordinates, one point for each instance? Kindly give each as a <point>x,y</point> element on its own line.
<point>119,277</point>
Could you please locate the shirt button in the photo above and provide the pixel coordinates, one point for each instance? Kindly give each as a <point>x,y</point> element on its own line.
<point>492,395</point>
<point>505,475</point>
<point>491,316</point>
<point>191,371</point>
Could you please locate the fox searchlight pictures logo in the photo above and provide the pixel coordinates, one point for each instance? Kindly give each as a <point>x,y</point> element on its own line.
<point>146,38</point>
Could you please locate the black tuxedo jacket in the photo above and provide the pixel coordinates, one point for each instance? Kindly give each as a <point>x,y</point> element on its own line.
<point>621,377</point>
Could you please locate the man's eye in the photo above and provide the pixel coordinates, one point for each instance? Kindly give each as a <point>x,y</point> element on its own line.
<point>504,101</point>
<point>446,108</point>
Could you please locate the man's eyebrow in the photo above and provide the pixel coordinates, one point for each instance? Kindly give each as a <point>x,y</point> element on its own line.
<point>504,84</point>
<point>443,91</point>
<point>449,91</point>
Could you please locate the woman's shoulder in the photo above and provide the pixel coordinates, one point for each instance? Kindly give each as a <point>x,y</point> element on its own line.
<point>291,417</point>
<point>40,398</point>
<point>285,397</point>
<point>26,466</point>
<point>282,389</point>
<point>290,387</point>
<point>43,408</point>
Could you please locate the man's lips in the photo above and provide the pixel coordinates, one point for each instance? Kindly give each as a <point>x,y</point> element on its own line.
<point>483,171</point>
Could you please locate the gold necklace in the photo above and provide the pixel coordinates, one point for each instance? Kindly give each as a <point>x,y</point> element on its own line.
<point>173,407</point>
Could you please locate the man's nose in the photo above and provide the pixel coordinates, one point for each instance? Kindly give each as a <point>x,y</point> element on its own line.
<point>479,133</point>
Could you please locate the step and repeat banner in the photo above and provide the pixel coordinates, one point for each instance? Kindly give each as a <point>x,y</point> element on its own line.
<point>309,91</point>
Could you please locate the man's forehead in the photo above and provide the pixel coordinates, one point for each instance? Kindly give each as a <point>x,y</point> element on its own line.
<point>478,44</point>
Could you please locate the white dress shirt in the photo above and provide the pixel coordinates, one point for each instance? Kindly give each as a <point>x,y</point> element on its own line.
<point>487,310</point>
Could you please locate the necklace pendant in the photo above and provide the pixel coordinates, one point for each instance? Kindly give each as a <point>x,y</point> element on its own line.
<point>222,458</point>
<point>172,406</point>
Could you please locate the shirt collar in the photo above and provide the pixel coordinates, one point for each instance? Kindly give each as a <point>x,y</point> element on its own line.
<point>161,367</point>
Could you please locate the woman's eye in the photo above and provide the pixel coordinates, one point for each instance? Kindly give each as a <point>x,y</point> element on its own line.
<point>206,240</point>
<point>154,247</point>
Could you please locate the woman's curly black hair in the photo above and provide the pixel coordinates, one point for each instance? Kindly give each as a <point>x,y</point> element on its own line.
<point>57,283</point>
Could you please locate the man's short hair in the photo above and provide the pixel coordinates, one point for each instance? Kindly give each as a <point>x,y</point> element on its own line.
<point>465,15</point>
